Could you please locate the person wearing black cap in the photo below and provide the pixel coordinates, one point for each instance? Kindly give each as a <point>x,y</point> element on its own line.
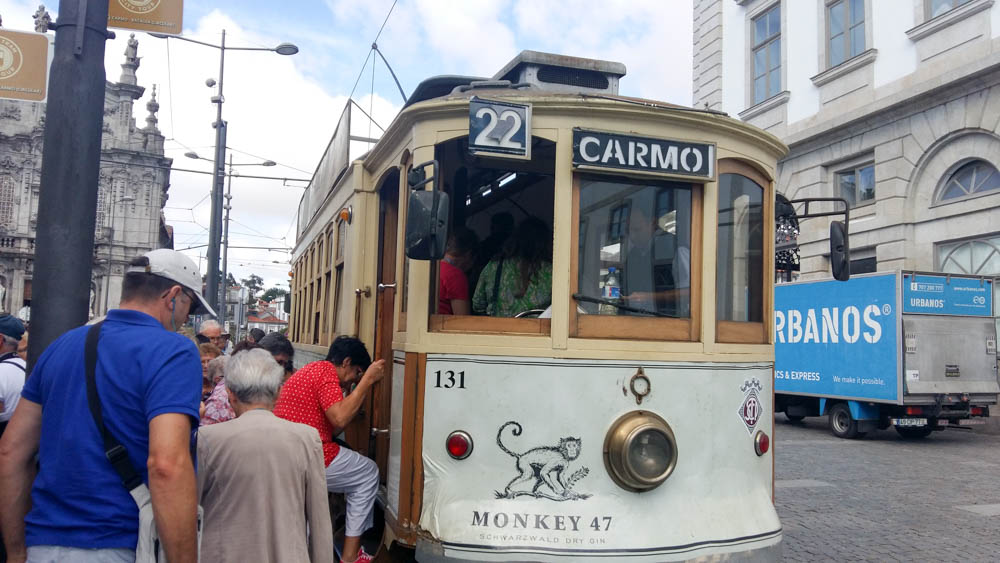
<point>147,383</point>
<point>11,367</point>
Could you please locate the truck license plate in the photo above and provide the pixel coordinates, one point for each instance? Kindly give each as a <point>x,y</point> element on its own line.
<point>909,421</point>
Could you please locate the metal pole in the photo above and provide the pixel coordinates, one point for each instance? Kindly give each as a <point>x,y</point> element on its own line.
<point>225,246</point>
<point>215,231</point>
<point>111,240</point>
<point>64,243</point>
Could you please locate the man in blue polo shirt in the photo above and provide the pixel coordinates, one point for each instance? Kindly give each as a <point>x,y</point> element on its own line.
<point>149,382</point>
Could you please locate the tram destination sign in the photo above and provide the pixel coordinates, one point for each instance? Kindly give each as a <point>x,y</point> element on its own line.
<point>499,128</point>
<point>642,154</point>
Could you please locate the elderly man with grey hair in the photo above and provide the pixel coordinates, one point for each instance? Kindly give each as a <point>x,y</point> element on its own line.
<point>212,331</point>
<point>261,479</point>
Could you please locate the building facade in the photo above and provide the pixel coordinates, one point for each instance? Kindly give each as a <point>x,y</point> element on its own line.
<point>134,178</point>
<point>893,105</point>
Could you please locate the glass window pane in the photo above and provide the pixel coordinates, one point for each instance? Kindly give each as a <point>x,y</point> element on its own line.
<point>740,274</point>
<point>857,11</point>
<point>775,83</point>
<point>848,187</point>
<point>774,21</point>
<point>939,7</point>
<point>652,261</point>
<point>760,89</point>
<point>774,54</point>
<point>857,40</point>
<point>759,62</point>
<point>759,30</point>
<point>953,191</point>
<point>990,180</point>
<point>837,19</point>
<point>837,50</point>
<point>866,183</point>
<point>983,255</point>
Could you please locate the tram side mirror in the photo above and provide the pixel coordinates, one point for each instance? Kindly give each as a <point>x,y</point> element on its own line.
<point>840,251</point>
<point>426,215</point>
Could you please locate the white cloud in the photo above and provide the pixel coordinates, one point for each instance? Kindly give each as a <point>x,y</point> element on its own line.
<point>286,108</point>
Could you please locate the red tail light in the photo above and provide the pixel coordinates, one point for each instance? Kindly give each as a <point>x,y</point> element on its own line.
<point>978,411</point>
<point>761,443</point>
<point>459,444</point>
<point>914,410</point>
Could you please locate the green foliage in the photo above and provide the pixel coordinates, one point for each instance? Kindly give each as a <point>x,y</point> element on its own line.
<point>273,292</point>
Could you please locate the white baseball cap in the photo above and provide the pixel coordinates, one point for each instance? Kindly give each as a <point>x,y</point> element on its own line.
<point>177,267</point>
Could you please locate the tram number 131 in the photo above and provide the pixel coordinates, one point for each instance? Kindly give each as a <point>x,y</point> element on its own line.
<point>499,128</point>
<point>449,379</point>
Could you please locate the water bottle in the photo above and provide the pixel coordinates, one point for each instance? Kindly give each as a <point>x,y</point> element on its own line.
<point>611,292</point>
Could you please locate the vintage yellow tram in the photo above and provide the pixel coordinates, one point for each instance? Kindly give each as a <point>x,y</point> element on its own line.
<point>626,411</point>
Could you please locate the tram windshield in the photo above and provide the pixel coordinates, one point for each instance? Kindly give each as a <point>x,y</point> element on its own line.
<point>635,248</point>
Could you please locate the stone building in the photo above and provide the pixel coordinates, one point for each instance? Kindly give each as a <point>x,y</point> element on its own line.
<point>134,179</point>
<point>891,104</point>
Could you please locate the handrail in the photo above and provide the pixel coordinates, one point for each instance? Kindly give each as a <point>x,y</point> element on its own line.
<point>367,292</point>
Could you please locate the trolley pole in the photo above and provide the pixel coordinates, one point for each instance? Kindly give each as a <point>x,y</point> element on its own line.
<point>67,206</point>
<point>224,297</point>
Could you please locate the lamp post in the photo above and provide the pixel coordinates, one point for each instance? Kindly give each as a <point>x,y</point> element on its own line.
<point>224,285</point>
<point>111,245</point>
<point>215,226</point>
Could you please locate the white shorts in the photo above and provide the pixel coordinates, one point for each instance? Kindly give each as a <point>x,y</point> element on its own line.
<point>357,477</point>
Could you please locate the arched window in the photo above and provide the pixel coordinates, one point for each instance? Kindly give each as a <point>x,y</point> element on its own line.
<point>977,257</point>
<point>974,177</point>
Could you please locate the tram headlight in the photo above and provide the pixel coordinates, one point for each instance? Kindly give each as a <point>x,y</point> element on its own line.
<point>640,451</point>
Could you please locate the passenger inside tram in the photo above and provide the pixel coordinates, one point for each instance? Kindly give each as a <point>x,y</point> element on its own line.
<point>511,270</point>
<point>519,278</point>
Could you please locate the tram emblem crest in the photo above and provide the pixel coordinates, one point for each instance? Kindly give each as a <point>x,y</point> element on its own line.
<point>750,410</point>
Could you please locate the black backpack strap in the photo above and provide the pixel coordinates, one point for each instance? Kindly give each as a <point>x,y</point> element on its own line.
<point>113,449</point>
<point>5,359</point>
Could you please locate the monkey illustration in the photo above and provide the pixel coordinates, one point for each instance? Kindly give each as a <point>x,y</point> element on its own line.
<point>543,465</point>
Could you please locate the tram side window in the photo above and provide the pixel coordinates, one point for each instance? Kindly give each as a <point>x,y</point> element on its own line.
<point>635,248</point>
<point>740,274</point>
<point>498,262</point>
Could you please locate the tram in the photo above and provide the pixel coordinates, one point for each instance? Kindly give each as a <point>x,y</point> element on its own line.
<point>626,411</point>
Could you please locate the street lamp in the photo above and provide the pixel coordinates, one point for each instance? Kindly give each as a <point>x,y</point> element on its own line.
<point>111,244</point>
<point>214,232</point>
<point>224,285</point>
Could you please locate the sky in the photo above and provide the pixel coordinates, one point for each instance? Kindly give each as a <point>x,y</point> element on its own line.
<point>285,108</point>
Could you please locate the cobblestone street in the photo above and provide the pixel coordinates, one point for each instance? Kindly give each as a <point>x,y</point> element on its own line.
<point>882,498</point>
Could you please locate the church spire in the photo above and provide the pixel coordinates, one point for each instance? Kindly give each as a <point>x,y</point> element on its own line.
<point>153,106</point>
<point>131,63</point>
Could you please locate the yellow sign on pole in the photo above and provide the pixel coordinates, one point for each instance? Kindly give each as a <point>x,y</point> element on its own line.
<point>158,16</point>
<point>24,59</point>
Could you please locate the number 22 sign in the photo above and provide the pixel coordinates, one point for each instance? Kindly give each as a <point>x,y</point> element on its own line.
<point>499,128</point>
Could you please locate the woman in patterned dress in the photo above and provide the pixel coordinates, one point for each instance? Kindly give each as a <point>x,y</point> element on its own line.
<point>525,274</point>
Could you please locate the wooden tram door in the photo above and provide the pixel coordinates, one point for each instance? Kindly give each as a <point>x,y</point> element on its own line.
<point>381,398</point>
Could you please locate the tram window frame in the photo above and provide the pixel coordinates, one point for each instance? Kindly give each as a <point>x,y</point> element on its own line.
<point>637,327</point>
<point>749,332</point>
<point>543,149</point>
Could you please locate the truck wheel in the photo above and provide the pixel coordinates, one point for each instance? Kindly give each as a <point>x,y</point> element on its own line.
<point>794,417</point>
<point>841,423</point>
<point>914,432</point>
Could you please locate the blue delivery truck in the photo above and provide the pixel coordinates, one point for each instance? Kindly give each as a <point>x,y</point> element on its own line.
<point>912,350</point>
